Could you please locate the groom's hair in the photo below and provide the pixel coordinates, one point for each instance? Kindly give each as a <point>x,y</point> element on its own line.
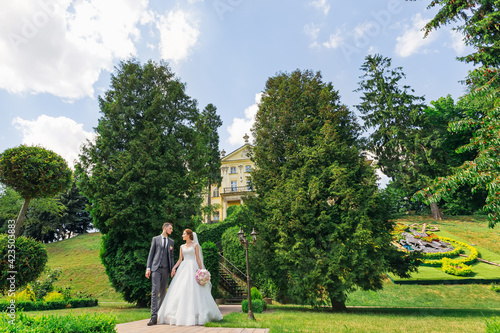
<point>166,224</point>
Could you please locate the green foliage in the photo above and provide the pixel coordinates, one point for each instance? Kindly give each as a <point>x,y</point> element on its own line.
<point>10,204</point>
<point>54,296</point>
<point>323,229</point>
<point>51,305</point>
<point>34,172</point>
<point>213,232</point>
<point>493,325</point>
<point>211,261</point>
<point>495,287</point>
<point>72,323</point>
<point>460,270</point>
<point>45,285</point>
<point>255,293</point>
<point>232,209</point>
<point>232,249</point>
<point>147,167</point>
<point>30,259</point>
<point>27,295</point>
<point>42,219</point>
<point>258,306</point>
<point>480,29</point>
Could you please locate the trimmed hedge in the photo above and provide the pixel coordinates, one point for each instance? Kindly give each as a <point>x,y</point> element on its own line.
<point>457,262</point>
<point>458,270</point>
<point>257,306</point>
<point>213,232</point>
<point>51,305</point>
<point>70,323</point>
<point>211,261</point>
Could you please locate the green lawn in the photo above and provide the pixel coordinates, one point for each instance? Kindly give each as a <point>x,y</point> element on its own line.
<point>396,308</point>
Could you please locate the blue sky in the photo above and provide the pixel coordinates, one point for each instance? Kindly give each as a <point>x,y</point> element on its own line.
<point>56,56</point>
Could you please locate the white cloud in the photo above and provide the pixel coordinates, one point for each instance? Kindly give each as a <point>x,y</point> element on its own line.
<point>60,47</point>
<point>241,126</point>
<point>457,42</point>
<point>334,41</point>
<point>178,35</point>
<point>61,135</point>
<point>412,40</point>
<point>322,5</point>
<point>312,30</point>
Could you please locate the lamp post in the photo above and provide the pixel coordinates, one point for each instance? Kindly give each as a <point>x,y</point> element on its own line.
<point>244,242</point>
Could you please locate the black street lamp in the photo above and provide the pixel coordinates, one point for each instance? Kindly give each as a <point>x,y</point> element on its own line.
<point>244,242</point>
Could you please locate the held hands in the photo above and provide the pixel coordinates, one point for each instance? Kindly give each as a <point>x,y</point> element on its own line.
<point>173,272</point>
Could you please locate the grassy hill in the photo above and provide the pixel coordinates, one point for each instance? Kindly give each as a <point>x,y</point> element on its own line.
<point>82,268</point>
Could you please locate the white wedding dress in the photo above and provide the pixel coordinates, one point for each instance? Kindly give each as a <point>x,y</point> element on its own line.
<point>186,302</point>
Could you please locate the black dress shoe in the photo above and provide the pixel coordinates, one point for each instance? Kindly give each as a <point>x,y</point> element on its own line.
<point>152,322</point>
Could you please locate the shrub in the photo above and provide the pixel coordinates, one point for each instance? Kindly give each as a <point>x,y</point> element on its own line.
<point>495,287</point>
<point>255,293</point>
<point>449,267</point>
<point>51,305</point>
<point>71,323</point>
<point>257,306</point>
<point>493,325</point>
<point>27,295</point>
<point>31,257</point>
<point>232,248</point>
<point>213,232</point>
<point>42,287</point>
<point>211,261</point>
<point>54,296</point>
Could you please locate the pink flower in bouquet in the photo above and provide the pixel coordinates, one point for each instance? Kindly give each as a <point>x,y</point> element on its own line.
<point>202,277</point>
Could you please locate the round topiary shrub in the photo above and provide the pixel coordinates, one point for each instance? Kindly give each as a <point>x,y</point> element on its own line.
<point>257,306</point>
<point>24,255</point>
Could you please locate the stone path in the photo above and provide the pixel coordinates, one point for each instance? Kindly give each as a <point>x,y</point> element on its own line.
<point>141,326</point>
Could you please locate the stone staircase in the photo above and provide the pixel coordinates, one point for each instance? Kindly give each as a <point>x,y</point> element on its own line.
<point>232,280</point>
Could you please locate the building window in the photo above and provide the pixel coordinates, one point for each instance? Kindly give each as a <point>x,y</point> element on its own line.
<point>216,216</point>
<point>216,192</point>
<point>248,168</point>
<point>232,170</point>
<point>234,186</point>
<point>249,185</point>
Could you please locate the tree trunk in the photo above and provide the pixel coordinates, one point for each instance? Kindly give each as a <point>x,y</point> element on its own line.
<point>21,216</point>
<point>338,306</point>
<point>436,214</point>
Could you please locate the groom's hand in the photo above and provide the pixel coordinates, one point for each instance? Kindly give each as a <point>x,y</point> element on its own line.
<point>148,273</point>
<point>172,273</point>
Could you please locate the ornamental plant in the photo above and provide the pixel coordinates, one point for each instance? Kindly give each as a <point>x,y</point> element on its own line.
<point>33,172</point>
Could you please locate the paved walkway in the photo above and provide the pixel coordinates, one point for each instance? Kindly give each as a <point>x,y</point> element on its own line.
<point>141,326</point>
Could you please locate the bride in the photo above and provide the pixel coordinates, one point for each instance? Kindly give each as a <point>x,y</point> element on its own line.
<point>186,302</point>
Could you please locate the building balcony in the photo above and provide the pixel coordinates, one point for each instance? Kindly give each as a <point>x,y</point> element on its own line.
<point>236,189</point>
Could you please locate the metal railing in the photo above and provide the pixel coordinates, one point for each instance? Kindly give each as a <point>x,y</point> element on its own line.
<point>234,189</point>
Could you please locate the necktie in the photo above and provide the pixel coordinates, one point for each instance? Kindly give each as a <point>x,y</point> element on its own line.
<point>164,242</point>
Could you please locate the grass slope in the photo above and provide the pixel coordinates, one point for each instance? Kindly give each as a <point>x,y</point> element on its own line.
<point>81,266</point>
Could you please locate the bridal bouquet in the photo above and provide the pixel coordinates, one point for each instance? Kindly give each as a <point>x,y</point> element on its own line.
<point>202,277</point>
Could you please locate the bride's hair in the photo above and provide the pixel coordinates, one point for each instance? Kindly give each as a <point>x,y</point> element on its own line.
<point>190,233</point>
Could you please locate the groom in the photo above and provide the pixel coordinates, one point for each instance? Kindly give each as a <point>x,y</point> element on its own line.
<point>159,268</point>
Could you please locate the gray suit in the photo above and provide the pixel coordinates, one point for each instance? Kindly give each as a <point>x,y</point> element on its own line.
<point>161,262</point>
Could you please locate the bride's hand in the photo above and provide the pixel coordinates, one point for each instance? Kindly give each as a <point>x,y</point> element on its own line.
<point>172,273</point>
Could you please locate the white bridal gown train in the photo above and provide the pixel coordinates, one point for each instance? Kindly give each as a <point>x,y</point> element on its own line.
<point>186,302</point>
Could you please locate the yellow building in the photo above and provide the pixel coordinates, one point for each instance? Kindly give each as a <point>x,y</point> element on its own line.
<point>235,171</point>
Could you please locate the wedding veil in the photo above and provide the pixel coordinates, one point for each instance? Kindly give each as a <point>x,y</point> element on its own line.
<point>195,240</point>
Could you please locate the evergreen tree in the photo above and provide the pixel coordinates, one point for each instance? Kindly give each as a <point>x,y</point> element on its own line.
<point>75,219</point>
<point>324,230</point>
<point>143,170</point>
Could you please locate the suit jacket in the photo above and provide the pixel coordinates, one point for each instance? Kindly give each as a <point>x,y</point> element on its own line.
<point>155,253</point>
